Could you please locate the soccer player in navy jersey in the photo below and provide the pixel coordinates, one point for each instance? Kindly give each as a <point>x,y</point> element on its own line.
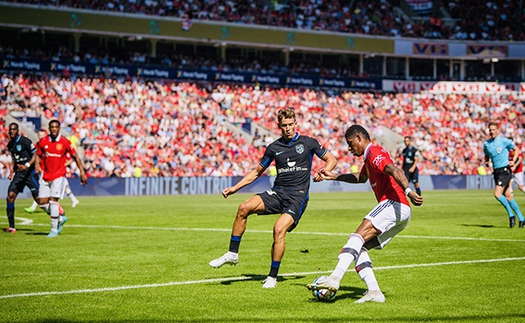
<point>293,154</point>
<point>410,160</point>
<point>23,173</point>
<point>386,220</point>
<point>497,149</point>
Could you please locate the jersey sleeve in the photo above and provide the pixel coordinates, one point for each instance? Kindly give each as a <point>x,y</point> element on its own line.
<point>267,158</point>
<point>379,158</point>
<point>39,150</point>
<point>317,148</point>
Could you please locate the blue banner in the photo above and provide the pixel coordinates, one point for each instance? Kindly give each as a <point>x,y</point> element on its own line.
<point>119,70</point>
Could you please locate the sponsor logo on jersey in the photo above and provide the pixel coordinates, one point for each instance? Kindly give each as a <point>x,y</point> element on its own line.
<point>377,161</point>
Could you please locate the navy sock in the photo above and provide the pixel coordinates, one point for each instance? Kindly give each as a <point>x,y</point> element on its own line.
<point>274,269</point>
<point>11,214</point>
<point>235,241</point>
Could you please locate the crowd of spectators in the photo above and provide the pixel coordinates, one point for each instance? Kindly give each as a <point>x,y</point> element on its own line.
<point>475,20</point>
<point>167,128</point>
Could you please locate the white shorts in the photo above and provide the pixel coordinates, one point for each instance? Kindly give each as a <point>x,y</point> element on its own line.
<point>54,188</point>
<point>518,178</point>
<point>389,217</point>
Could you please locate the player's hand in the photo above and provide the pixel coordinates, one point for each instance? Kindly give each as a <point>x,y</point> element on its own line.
<point>83,180</point>
<point>228,191</point>
<point>416,199</point>
<point>325,174</point>
<point>318,177</point>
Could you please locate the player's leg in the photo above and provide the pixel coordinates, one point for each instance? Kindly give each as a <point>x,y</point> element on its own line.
<point>56,189</point>
<point>518,178</point>
<point>16,186</point>
<point>515,207</point>
<point>280,228</point>
<point>415,180</point>
<point>32,208</point>
<point>252,205</point>
<point>10,200</point>
<point>499,195</point>
<point>69,193</point>
<point>34,186</point>
<point>363,267</point>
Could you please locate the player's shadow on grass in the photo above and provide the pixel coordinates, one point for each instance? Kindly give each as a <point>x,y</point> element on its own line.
<point>253,277</point>
<point>479,225</point>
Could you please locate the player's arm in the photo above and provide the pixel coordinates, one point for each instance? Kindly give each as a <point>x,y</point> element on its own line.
<point>29,163</point>
<point>330,163</point>
<point>351,178</point>
<point>400,178</point>
<point>246,180</point>
<point>11,167</point>
<point>83,176</point>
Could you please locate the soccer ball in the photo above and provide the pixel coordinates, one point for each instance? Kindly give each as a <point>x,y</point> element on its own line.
<point>322,295</point>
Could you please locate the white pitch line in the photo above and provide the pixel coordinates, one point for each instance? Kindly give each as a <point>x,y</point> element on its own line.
<point>264,231</point>
<point>217,280</point>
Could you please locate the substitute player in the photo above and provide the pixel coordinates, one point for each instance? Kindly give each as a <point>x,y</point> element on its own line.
<point>53,151</point>
<point>385,221</point>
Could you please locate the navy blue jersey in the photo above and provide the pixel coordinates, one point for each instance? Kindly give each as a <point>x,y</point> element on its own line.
<point>409,155</point>
<point>293,161</point>
<point>22,150</point>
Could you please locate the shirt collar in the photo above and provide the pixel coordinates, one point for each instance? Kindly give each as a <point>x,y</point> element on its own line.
<point>367,149</point>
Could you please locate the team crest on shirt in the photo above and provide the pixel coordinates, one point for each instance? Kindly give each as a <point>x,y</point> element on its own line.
<point>299,148</point>
<point>59,146</point>
<point>18,147</point>
<point>499,150</point>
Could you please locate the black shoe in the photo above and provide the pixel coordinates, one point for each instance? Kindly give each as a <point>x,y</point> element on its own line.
<point>522,224</point>
<point>512,221</point>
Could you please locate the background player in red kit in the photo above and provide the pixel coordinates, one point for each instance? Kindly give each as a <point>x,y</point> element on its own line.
<point>386,220</point>
<point>517,169</point>
<point>53,151</point>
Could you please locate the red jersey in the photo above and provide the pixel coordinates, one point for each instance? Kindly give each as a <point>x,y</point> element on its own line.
<point>54,155</point>
<point>519,169</point>
<point>384,186</point>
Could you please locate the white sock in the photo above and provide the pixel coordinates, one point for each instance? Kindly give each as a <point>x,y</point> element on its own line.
<point>45,207</point>
<point>53,206</point>
<point>34,205</point>
<point>363,267</point>
<point>348,254</point>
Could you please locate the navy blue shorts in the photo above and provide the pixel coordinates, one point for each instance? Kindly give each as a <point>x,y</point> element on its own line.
<point>279,201</point>
<point>22,179</point>
<point>412,177</point>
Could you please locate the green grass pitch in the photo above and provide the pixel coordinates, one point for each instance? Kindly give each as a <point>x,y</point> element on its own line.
<point>145,259</point>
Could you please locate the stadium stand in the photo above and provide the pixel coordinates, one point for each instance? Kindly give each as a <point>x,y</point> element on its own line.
<point>474,20</point>
<point>168,128</point>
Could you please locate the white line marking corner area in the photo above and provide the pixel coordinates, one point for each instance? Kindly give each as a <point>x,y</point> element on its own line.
<point>218,280</point>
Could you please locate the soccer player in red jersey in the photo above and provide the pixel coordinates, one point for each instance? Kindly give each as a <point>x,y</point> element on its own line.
<point>517,169</point>
<point>53,152</point>
<point>386,220</point>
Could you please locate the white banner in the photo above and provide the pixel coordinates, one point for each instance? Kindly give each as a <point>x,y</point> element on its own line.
<point>453,87</point>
